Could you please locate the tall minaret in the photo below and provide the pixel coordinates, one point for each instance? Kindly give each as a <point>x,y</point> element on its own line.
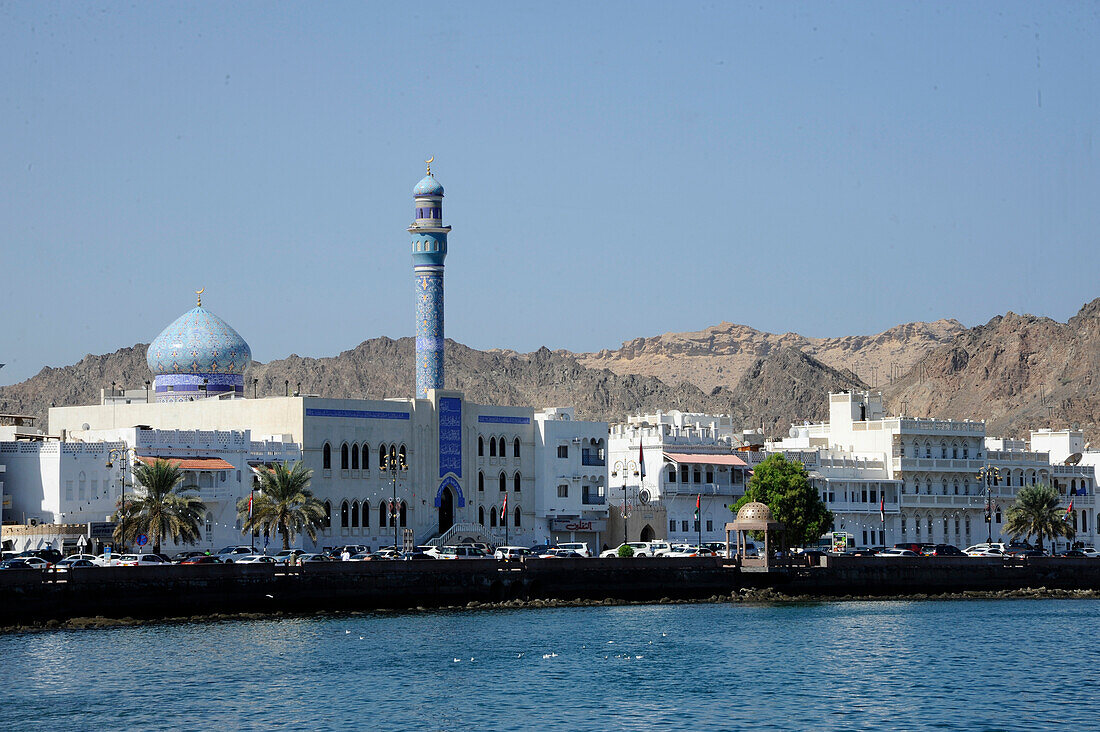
<point>429,247</point>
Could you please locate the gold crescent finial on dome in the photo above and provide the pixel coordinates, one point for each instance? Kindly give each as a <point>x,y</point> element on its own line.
<point>429,162</point>
<point>199,293</point>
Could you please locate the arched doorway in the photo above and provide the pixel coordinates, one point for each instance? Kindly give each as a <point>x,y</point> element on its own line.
<point>446,510</point>
<point>648,534</point>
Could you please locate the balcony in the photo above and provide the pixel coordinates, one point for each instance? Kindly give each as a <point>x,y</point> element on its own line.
<point>591,499</point>
<point>706,489</point>
<point>938,464</point>
<point>592,460</point>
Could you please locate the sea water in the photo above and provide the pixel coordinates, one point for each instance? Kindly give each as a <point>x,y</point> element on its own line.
<point>959,665</point>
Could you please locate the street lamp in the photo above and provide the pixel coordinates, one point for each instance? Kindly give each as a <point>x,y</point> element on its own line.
<point>624,466</point>
<point>987,475</point>
<point>395,463</point>
<point>123,453</point>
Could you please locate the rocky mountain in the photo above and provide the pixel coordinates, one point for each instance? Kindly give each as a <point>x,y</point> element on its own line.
<point>783,385</point>
<point>1017,371</point>
<point>721,354</point>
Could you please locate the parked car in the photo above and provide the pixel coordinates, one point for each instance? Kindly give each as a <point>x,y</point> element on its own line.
<point>1089,551</point>
<point>1073,553</point>
<point>415,556</point>
<point>201,559</point>
<point>681,551</point>
<point>863,552</point>
<point>984,552</point>
<point>466,551</point>
<point>141,560</point>
<point>1026,553</point>
<point>52,556</point>
<point>577,547</point>
<point>255,559</point>
<point>314,558</point>
<point>74,557</point>
<point>25,563</point>
<point>895,552</point>
<point>352,550</point>
<point>513,552</point>
<point>556,553</point>
<point>284,556</point>
<point>943,550</point>
<point>230,553</point>
<point>914,546</point>
<point>641,549</point>
<point>76,560</point>
<point>180,556</point>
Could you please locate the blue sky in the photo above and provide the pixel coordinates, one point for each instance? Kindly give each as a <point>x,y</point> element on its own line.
<point>613,170</point>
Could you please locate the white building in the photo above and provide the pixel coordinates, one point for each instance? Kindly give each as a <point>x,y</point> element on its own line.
<point>688,458</point>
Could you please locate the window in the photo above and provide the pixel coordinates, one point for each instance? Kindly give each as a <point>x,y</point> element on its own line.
<point>492,447</point>
<point>916,525</point>
<point>327,518</point>
<point>903,524</point>
<point>563,451</point>
<point>381,514</point>
<point>695,526</point>
<point>68,490</point>
<point>929,527</point>
<point>945,528</point>
<point>563,491</point>
<point>672,526</point>
<point>503,481</point>
<point>683,474</point>
<point>864,496</point>
<point>710,525</point>
<point>998,515</point>
<point>481,481</point>
<point>956,527</point>
<point>515,517</point>
<point>366,514</point>
<point>382,452</point>
<point>481,515</point>
<point>355,514</point>
<point>671,473</point>
<point>480,446</point>
<point>516,482</point>
<point>697,476</point>
<point>710,474</point>
<point>344,456</point>
<point>966,452</point>
<point>493,516</point>
<point>354,457</point>
<point>874,496</point>
<point>401,514</point>
<point>81,483</point>
<point>402,456</point>
<point>366,456</point>
<point>683,525</point>
<point>515,451</point>
<point>326,457</point>
<point>344,515</point>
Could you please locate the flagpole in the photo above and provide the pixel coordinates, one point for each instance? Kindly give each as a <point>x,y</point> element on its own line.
<point>699,517</point>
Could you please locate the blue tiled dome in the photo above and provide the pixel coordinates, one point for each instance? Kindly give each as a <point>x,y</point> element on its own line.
<point>198,342</point>
<point>428,186</point>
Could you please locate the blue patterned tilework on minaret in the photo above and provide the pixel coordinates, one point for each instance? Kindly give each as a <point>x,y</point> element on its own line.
<point>429,249</point>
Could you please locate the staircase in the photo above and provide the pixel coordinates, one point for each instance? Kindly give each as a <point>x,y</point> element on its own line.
<point>457,532</point>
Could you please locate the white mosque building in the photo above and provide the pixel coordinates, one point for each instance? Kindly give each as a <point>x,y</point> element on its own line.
<point>434,467</point>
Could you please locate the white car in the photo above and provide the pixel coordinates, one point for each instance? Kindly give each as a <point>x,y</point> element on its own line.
<point>1089,551</point>
<point>508,552</point>
<point>232,553</point>
<point>461,552</point>
<point>986,552</point>
<point>577,547</point>
<point>888,553</point>
<point>139,560</point>
<point>641,549</point>
<point>254,559</point>
<point>1000,548</point>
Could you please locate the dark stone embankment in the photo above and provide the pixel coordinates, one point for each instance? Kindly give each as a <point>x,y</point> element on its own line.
<point>99,597</point>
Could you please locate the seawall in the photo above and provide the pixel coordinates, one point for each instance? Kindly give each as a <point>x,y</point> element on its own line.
<point>30,596</point>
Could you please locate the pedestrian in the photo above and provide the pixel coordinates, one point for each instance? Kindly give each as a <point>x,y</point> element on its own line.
<point>345,555</point>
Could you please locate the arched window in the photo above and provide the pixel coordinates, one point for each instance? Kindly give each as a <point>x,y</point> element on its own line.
<point>916,523</point>
<point>366,514</point>
<point>209,524</point>
<point>516,482</point>
<point>481,481</point>
<point>354,457</point>
<point>929,527</point>
<point>928,449</point>
<point>481,515</point>
<point>480,446</point>
<point>402,456</point>
<point>503,481</point>
<point>671,473</point>
<point>402,513</point>
<point>328,516</point>
<point>344,456</point>
<point>515,447</point>
<point>492,447</point>
<point>344,515</point>
<point>381,514</point>
<point>493,516</point>
<point>943,449</point>
<point>355,514</point>
<point>515,521</point>
<point>326,457</point>
<point>366,456</point>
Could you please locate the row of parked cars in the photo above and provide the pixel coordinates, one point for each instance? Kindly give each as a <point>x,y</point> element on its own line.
<point>1017,550</point>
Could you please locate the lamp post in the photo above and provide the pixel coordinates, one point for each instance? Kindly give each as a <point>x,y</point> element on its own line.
<point>394,463</point>
<point>624,467</point>
<point>987,475</point>
<point>122,454</point>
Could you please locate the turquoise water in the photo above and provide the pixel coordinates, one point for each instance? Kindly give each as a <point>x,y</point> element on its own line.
<point>980,665</point>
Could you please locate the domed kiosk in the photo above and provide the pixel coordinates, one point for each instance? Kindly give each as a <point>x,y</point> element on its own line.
<point>199,355</point>
<point>754,516</point>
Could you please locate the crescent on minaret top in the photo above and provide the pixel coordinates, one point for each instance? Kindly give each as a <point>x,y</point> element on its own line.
<point>429,162</point>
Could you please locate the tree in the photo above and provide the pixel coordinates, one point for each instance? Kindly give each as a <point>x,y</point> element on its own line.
<point>159,507</point>
<point>1037,511</point>
<point>284,504</point>
<point>783,486</point>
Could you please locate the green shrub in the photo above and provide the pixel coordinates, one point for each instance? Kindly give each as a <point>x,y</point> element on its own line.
<point>626,551</point>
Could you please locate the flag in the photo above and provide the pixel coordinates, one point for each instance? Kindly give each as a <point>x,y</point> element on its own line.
<point>641,460</point>
<point>1070,509</point>
<point>698,498</point>
<point>504,508</point>
<point>250,496</point>
<point>882,508</point>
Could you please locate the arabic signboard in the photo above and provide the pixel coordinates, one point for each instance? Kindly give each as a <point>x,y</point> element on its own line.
<point>101,530</point>
<point>563,524</point>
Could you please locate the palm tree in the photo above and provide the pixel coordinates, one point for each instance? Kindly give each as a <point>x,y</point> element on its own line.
<point>1038,511</point>
<point>284,504</point>
<point>160,508</point>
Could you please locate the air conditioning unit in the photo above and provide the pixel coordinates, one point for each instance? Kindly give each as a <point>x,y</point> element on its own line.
<point>576,440</point>
<point>33,521</point>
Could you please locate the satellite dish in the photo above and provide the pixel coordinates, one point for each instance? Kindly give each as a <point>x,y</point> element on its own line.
<point>1073,459</point>
<point>85,426</point>
<point>793,432</point>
